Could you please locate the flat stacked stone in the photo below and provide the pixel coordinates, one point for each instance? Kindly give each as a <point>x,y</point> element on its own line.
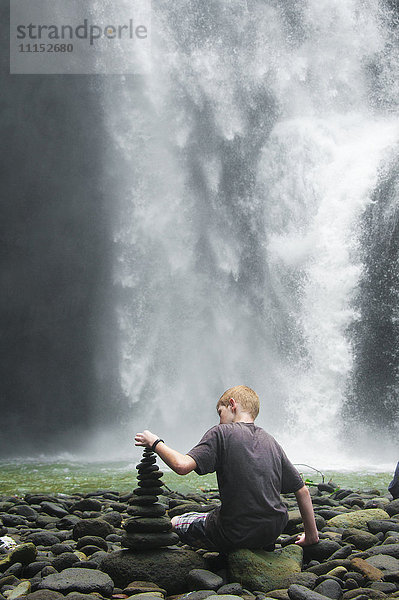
<point>149,527</point>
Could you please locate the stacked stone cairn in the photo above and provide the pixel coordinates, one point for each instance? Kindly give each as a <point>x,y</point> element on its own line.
<point>149,527</point>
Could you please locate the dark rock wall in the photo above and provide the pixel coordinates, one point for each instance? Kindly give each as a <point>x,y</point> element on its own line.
<point>374,391</point>
<point>57,355</point>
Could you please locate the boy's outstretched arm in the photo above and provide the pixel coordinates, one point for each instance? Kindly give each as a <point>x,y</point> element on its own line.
<point>179,463</point>
<point>311,535</point>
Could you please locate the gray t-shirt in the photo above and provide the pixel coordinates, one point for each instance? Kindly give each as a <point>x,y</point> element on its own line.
<point>252,470</point>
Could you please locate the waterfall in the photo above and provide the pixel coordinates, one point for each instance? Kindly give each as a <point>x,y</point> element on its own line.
<point>244,166</point>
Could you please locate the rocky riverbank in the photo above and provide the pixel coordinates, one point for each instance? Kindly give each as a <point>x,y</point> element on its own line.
<point>74,546</point>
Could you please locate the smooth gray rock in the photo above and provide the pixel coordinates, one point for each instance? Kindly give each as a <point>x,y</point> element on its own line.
<point>86,504</point>
<point>113,517</point>
<point>147,596</point>
<point>39,498</point>
<point>384,586</point>
<point>79,596</point>
<point>168,567</point>
<point>54,510</point>
<point>48,570</point>
<point>143,500</point>
<point>359,538</point>
<point>43,538</point>
<point>231,588</point>
<point>143,587</point>
<point>203,579</point>
<point>144,525</point>
<point>59,548</point>
<point>23,553</point>
<point>154,510</point>
<point>79,580</point>
<point>391,538</point>
<point>8,580</point>
<point>320,551</point>
<point>322,578</point>
<point>89,550</point>
<point>358,577</point>
<point>388,549</point>
<point>25,511</point>
<point>96,527</point>
<point>393,508</point>
<point>45,595</point>
<point>15,569</point>
<point>324,568</point>
<point>64,561</point>
<point>43,521</point>
<point>351,584</point>
<point>387,564</point>
<point>92,540</point>
<point>343,552</point>
<point>144,541</point>
<point>365,592</point>
<point>326,487</point>
<point>377,525</point>
<point>85,564</point>
<point>229,597</point>
<point>299,592</point>
<point>13,520</point>
<point>35,567</point>
<point>149,482</point>
<point>392,577</point>
<point>306,579</point>
<point>98,556</point>
<point>328,513</point>
<point>324,501</point>
<point>68,522</point>
<point>330,588</point>
<point>198,595</point>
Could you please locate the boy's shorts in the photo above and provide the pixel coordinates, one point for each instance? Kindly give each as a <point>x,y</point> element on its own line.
<point>190,528</point>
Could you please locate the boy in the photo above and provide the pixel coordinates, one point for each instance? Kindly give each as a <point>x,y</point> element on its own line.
<point>252,470</point>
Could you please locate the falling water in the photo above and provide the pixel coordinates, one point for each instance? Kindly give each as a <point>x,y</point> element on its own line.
<point>243,167</point>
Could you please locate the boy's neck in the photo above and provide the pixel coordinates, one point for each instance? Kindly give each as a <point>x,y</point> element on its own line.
<point>243,418</point>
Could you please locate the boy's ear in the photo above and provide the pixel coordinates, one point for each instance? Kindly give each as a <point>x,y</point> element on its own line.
<point>232,403</point>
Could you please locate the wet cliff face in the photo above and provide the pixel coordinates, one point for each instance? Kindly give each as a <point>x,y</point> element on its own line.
<point>55,307</point>
<point>374,385</point>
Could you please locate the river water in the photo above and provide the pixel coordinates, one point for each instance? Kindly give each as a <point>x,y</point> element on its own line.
<point>66,476</point>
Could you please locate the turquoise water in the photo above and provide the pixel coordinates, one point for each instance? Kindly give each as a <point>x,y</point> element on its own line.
<point>17,478</point>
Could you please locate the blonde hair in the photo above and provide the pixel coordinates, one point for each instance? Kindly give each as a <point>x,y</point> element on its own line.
<point>247,398</point>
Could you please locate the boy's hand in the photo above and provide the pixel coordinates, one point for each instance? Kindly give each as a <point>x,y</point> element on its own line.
<point>306,541</point>
<point>145,439</point>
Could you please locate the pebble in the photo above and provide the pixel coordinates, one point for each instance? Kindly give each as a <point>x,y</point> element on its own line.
<point>230,588</point>
<point>330,588</point>
<point>368,571</point>
<point>198,595</point>
<point>91,527</point>
<point>69,536</point>
<point>203,579</point>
